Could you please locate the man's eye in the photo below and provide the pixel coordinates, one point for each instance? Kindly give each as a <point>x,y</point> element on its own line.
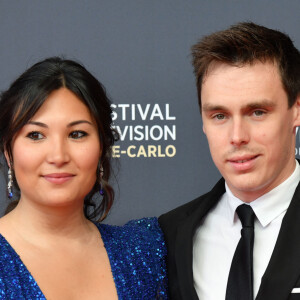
<point>77,134</point>
<point>35,135</point>
<point>219,117</point>
<point>258,113</point>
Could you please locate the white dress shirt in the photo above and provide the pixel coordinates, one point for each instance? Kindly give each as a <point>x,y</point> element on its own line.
<point>216,238</point>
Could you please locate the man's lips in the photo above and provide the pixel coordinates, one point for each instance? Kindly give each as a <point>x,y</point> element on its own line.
<point>58,178</point>
<point>242,159</point>
<point>243,162</point>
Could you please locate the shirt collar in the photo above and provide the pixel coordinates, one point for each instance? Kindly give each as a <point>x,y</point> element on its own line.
<point>270,205</point>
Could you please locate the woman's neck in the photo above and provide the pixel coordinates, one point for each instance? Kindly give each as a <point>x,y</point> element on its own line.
<point>36,222</point>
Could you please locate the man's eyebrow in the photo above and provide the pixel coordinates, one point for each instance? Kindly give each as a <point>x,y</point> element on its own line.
<point>260,104</point>
<point>252,105</point>
<point>212,107</point>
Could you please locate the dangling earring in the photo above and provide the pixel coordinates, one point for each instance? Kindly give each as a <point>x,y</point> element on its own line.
<point>10,184</point>
<point>101,191</point>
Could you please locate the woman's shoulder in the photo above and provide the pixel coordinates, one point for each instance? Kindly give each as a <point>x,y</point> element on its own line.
<point>139,225</point>
<point>137,254</point>
<point>144,233</point>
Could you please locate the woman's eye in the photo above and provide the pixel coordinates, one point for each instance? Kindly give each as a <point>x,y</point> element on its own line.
<point>35,135</point>
<point>77,134</point>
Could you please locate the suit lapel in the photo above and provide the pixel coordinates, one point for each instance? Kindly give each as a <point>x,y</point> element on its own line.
<point>284,266</point>
<point>184,241</point>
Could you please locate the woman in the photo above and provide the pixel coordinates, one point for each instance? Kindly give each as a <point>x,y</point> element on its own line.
<point>56,135</point>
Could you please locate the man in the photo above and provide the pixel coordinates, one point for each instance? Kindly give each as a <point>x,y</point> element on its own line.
<point>248,81</point>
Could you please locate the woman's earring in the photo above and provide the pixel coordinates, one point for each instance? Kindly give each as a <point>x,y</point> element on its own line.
<point>10,184</point>
<point>101,191</point>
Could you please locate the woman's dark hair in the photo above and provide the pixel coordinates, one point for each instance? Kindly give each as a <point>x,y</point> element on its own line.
<point>28,93</point>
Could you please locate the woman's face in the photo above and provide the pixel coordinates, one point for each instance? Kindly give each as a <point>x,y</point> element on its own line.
<point>55,155</point>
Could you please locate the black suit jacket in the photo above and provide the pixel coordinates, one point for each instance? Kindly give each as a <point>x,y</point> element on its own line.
<point>179,225</point>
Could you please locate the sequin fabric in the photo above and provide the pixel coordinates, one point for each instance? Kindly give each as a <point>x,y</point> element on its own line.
<point>137,256</point>
<point>15,280</point>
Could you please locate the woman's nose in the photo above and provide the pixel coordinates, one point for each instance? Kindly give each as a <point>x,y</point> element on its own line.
<point>58,152</point>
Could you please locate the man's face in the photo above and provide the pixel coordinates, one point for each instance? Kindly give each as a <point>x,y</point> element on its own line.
<point>249,127</point>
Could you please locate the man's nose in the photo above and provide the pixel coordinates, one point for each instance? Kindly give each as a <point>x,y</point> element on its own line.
<point>239,134</point>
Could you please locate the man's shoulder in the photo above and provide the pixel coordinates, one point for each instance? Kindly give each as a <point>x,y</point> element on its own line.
<point>183,211</point>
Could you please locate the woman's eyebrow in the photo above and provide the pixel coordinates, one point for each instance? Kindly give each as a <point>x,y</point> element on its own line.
<point>69,125</point>
<point>38,124</point>
<point>79,122</point>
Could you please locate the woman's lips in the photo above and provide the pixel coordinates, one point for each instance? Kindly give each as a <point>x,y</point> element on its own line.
<point>243,163</point>
<point>58,178</point>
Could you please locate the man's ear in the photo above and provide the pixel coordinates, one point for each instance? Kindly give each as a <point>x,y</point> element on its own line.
<point>296,108</point>
<point>203,127</point>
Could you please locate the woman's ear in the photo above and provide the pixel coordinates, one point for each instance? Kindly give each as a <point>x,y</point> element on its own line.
<point>8,161</point>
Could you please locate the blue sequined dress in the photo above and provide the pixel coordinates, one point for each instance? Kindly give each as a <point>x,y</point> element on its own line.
<point>137,257</point>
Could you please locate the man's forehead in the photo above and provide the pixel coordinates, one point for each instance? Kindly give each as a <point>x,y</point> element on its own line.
<point>217,66</point>
<point>242,87</point>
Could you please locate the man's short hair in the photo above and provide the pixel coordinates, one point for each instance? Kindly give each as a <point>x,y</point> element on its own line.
<point>247,43</point>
